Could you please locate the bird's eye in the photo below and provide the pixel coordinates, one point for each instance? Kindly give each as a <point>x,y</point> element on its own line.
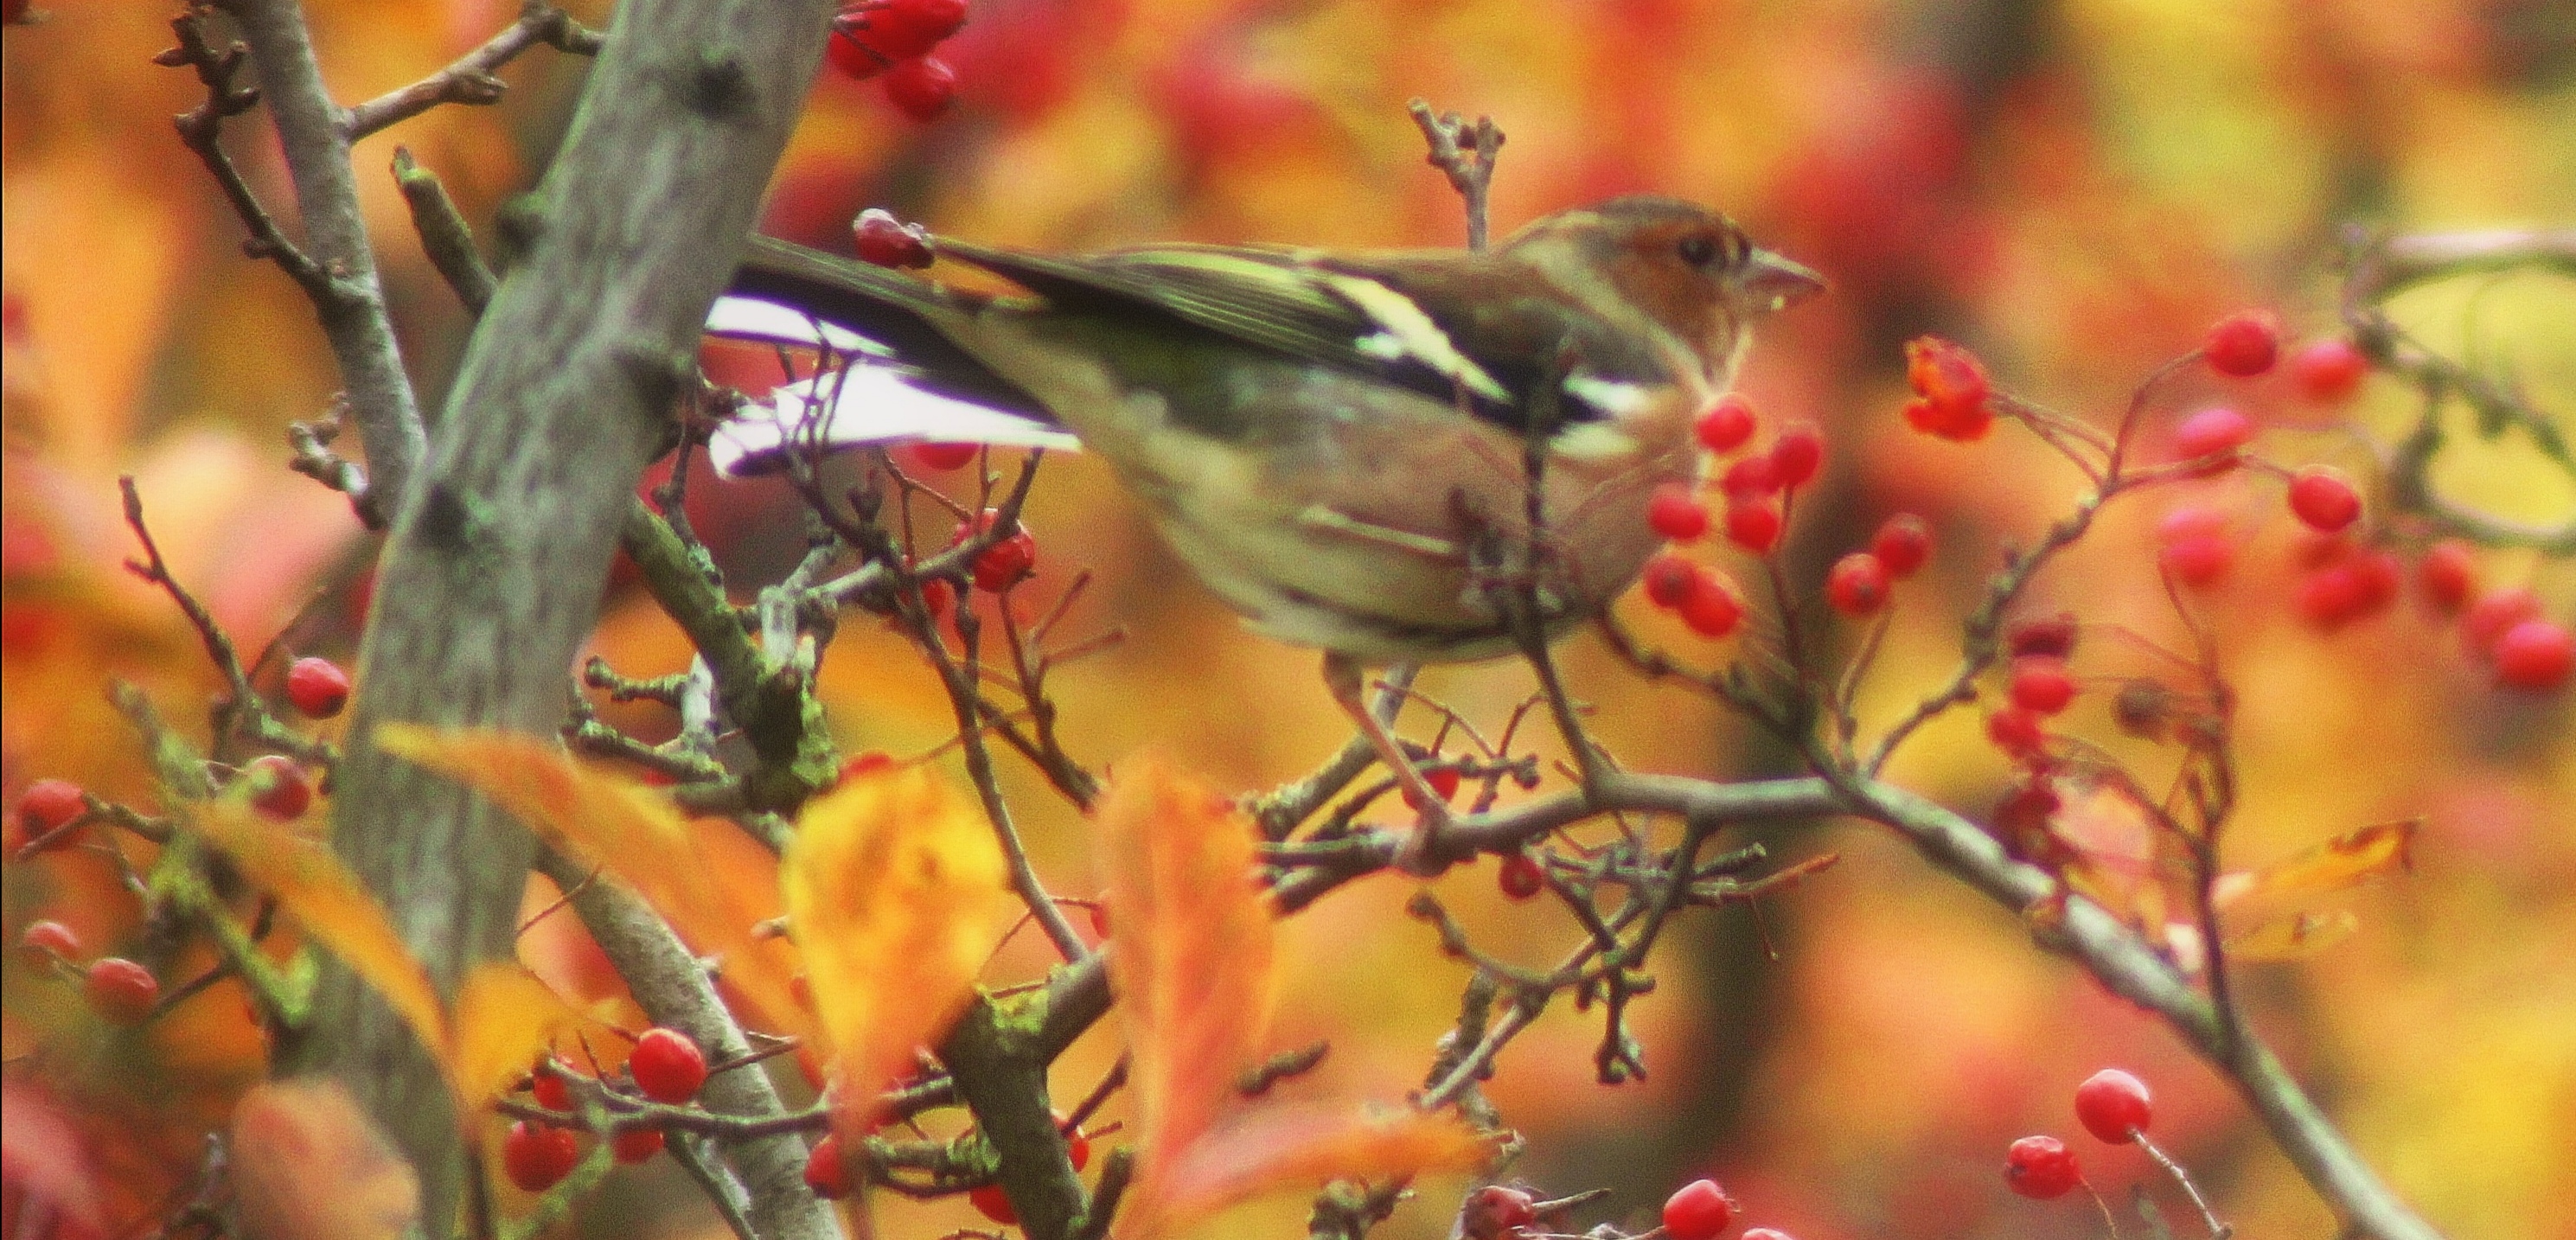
<point>1698,249</point>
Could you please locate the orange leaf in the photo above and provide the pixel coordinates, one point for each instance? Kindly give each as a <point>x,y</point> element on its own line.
<point>1303,1146</point>
<point>504,1016</point>
<point>1193,964</point>
<point>893,887</point>
<point>307,1165</point>
<point>321,894</point>
<point>2250,901</point>
<point>622,826</point>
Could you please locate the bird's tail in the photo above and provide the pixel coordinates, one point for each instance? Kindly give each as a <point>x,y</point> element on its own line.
<point>891,371</point>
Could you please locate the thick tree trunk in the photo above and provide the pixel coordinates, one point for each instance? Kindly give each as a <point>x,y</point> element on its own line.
<point>492,578</point>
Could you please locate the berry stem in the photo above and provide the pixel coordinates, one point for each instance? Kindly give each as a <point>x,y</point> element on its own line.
<point>2208,1217</point>
<point>2109,1219</point>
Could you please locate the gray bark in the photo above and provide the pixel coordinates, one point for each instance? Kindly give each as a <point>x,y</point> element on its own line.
<point>492,578</point>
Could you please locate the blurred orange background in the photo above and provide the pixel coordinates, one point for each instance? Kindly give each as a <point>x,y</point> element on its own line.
<point>2075,190</point>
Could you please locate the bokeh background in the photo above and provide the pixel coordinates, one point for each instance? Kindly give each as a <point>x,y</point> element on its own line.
<point>2075,189</point>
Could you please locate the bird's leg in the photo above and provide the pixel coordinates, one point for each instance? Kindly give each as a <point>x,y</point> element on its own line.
<point>1347,679</point>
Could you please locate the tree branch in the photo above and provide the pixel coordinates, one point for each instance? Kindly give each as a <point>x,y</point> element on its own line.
<point>491,580</point>
<point>350,301</point>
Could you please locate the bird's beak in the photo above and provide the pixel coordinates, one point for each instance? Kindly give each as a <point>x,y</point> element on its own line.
<point>1777,283</point>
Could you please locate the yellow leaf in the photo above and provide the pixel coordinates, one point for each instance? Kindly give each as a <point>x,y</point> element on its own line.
<point>630,830</point>
<point>307,1165</point>
<point>2249,901</point>
<point>2289,938</point>
<point>1304,1146</point>
<point>1193,965</point>
<point>311,885</point>
<point>504,1016</point>
<point>894,887</point>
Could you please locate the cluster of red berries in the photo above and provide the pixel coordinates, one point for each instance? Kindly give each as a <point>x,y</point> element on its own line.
<point>1756,486</point>
<point>666,1066</point>
<point>121,991</point>
<point>895,38</point>
<point>2037,685</point>
<point>2111,1104</point>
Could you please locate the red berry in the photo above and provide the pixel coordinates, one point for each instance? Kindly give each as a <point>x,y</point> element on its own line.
<point>1077,1145</point>
<point>667,1066</point>
<point>866,762</point>
<point>1669,577</point>
<point>2041,685</point>
<point>1443,782</point>
<point>922,87</point>
<point>1676,514</point>
<point>2017,732</point>
<point>2495,612</point>
<point>1753,524</point>
<point>885,241</point>
<point>2112,1105</point>
<point>636,1144</point>
<point>1857,585</point>
<point>1727,424</point>
<point>2215,432</point>
<point>1100,920</point>
<point>2243,344</point>
<point>994,1204</point>
<point>2449,575</point>
<point>2332,597</point>
<point>2377,576</point>
<point>1699,1210</point>
<point>538,1156</point>
<point>2041,1167</point>
<point>1005,562</point>
<point>2324,498</point>
<point>278,787</point>
<point>2053,636</point>
<point>1521,877</point>
<point>47,805</point>
<point>547,1087</point>
<point>317,687</point>
<point>2535,654</point>
<point>44,942</point>
<point>1950,388</point>
<point>1902,543</point>
<point>1495,1212</point>
<point>1798,453</point>
<point>846,53</point>
<point>824,1172</point>
<point>938,596</point>
<point>120,990</point>
<point>2329,371</point>
<point>2196,559</point>
<point>939,458</point>
<point>902,29</point>
<point>1713,608</point>
<point>1750,478</point>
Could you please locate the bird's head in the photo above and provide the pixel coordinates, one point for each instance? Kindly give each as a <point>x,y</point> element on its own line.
<point>1671,264</point>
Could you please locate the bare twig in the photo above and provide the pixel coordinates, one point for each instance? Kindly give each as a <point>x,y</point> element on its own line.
<point>469,80</point>
<point>1465,154</point>
<point>346,296</point>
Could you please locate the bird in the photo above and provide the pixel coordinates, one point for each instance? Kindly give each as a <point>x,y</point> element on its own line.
<point>1340,445</point>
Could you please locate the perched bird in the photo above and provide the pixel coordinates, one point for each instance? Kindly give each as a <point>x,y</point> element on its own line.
<point>1339,444</point>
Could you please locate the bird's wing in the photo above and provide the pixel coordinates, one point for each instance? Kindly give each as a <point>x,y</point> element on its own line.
<point>1448,325</point>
